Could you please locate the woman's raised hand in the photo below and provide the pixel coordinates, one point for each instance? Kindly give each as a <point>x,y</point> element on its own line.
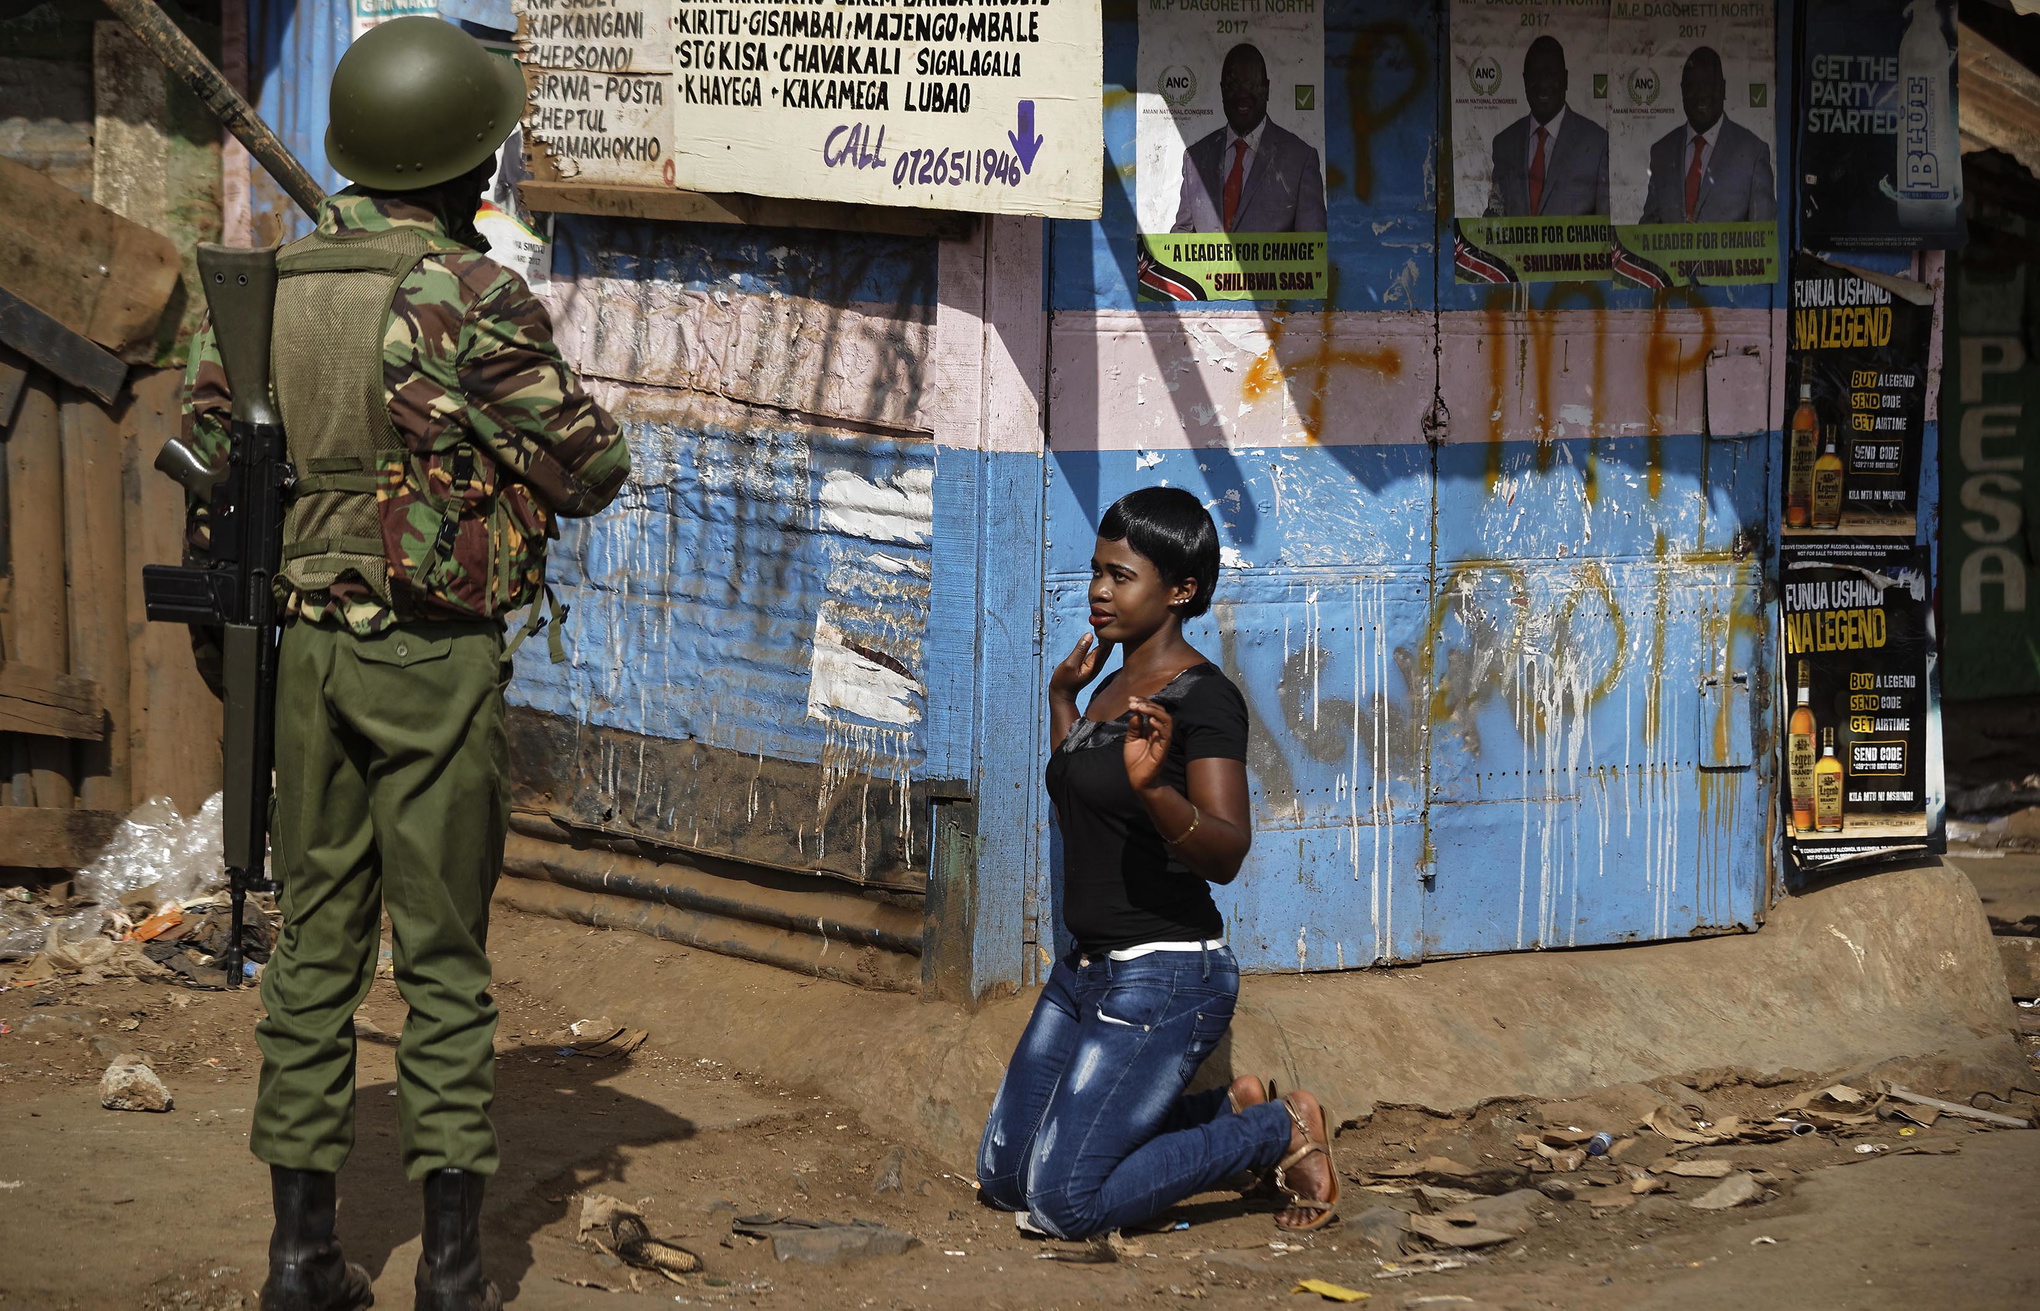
<point>1147,742</point>
<point>1078,668</point>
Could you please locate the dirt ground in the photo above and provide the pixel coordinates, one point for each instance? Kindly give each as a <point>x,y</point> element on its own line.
<point>104,1209</point>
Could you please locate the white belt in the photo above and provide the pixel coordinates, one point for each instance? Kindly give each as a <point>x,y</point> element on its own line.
<point>1141,949</point>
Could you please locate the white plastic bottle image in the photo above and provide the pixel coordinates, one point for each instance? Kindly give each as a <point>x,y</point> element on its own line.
<point>1928,189</point>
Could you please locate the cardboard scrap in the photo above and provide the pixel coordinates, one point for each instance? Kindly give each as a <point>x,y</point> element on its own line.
<point>1443,1231</point>
<point>1734,1190</point>
<point>1443,1166</point>
<point>1701,1169</point>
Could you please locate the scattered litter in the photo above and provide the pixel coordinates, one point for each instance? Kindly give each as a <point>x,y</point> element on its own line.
<point>596,1284</point>
<point>1701,1169</point>
<point>1558,1190</point>
<point>1735,1190</point>
<point>158,924</point>
<point>1763,1240</point>
<point>9,1183</point>
<point>1867,1149</point>
<point>952,1252</point>
<point>1957,1108</point>
<point>1330,1292</point>
<point>619,1229</point>
<point>598,1039</point>
<point>820,1242</point>
<point>1599,1144</point>
<point>130,1085</point>
<point>1647,1184</point>
<point>1427,1263</point>
<point>1441,1230</point>
<point>1443,1166</point>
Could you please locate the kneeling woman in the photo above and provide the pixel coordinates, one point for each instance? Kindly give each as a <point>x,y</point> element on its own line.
<point>1091,1130</point>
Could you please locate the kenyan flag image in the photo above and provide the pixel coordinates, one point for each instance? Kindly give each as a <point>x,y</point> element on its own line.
<point>1157,281</point>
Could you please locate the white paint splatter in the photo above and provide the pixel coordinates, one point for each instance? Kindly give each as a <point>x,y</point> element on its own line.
<point>902,511</point>
<point>842,679</point>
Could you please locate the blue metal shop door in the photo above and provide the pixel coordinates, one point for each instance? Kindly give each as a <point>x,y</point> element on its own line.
<point>1493,596</point>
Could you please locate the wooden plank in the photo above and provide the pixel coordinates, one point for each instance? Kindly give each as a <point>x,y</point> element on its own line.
<point>42,837</point>
<point>173,719</point>
<point>95,561</point>
<point>35,529</point>
<point>758,211</point>
<point>13,377</point>
<point>50,704</point>
<point>55,347</point>
<point>98,274</point>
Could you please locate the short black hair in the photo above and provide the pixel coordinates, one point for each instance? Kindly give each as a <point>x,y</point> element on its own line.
<point>1171,528</point>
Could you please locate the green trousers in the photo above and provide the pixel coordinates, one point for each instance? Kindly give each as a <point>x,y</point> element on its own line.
<point>392,789</point>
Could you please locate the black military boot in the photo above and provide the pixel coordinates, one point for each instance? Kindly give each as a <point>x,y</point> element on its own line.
<point>450,1267</point>
<point>306,1270</point>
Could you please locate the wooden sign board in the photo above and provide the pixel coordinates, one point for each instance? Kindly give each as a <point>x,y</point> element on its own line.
<point>990,106</point>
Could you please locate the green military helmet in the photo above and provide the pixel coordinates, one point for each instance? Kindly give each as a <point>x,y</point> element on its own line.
<point>417,101</point>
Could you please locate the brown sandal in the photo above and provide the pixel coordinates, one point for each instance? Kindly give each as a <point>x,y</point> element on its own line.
<point>1268,1094</point>
<point>1325,1209</point>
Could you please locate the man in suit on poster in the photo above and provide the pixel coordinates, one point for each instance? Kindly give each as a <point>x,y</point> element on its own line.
<point>1551,160</point>
<point>1709,169</point>
<point>1252,175</point>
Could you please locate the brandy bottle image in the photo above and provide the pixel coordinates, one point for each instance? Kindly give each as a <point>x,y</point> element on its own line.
<point>1802,448</point>
<point>1827,786</point>
<point>1827,484</point>
<point>1799,755</point>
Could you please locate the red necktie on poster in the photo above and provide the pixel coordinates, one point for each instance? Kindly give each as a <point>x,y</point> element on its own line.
<point>1232,182</point>
<point>1537,172</point>
<point>1693,178</point>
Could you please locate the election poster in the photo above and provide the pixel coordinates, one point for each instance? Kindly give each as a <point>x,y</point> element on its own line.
<point>1530,181</point>
<point>1229,139</point>
<point>1693,185</point>
<point>1862,777</point>
<point>1856,372</point>
<point>990,108</point>
<point>1880,146</point>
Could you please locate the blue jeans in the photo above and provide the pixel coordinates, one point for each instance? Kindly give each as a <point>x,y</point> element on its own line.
<point>1091,1129</point>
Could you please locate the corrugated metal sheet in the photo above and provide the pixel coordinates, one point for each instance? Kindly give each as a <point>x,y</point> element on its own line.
<point>761,587</point>
<point>293,47</point>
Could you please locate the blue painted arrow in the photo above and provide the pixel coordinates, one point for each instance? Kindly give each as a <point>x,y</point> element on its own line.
<point>1025,143</point>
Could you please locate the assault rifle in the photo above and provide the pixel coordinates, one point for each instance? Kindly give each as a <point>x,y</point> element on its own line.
<point>233,591</point>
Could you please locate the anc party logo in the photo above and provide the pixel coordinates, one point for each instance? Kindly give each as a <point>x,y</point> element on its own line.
<point>1643,86</point>
<point>1177,85</point>
<point>1485,73</point>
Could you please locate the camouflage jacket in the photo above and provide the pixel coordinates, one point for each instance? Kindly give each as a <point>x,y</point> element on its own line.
<point>468,364</point>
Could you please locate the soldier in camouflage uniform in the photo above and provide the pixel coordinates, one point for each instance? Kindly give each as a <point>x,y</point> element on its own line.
<point>435,432</point>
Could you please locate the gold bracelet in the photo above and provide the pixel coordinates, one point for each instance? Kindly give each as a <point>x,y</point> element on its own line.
<point>1196,818</point>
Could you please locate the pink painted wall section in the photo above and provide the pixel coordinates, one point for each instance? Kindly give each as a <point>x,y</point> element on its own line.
<point>1126,380</point>
<point>990,355</point>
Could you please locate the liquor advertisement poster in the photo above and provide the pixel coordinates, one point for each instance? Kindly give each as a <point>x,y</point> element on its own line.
<point>1692,122</point>
<point>1856,399</point>
<point>1858,670</point>
<point>990,108</point>
<point>1879,144</point>
<point>1230,142</point>
<point>1530,182</point>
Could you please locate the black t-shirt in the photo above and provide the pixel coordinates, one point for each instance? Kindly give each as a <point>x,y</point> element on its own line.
<point>1121,885</point>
